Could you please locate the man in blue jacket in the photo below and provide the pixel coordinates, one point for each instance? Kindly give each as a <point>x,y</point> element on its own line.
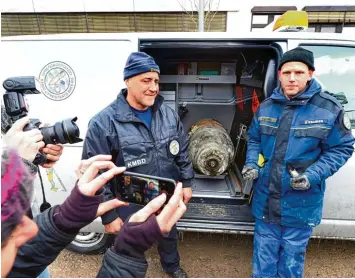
<point>305,137</point>
<point>146,136</point>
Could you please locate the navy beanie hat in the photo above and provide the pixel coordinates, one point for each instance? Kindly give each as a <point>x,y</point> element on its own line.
<point>298,54</point>
<point>139,63</point>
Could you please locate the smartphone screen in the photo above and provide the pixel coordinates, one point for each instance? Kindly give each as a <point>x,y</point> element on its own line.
<point>141,190</point>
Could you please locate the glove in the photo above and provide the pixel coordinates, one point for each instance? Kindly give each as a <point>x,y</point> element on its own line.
<point>300,182</point>
<point>85,201</point>
<point>135,239</point>
<point>77,211</point>
<point>249,173</point>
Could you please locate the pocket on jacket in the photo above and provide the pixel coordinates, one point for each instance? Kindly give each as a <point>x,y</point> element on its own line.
<point>268,130</point>
<point>300,165</point>
<point>135,155</point>
<point>302,199</point>
<point>318,132</point>
<point>268,137</point>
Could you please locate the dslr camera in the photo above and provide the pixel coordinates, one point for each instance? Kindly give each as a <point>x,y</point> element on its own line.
<point>63,132</point>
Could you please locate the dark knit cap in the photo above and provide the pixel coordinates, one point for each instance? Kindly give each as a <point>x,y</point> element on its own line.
<point>139,63</point>
<point>16,192</point>
<point>298,54</point>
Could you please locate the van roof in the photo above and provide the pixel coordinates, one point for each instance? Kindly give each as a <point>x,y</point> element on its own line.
<point>186,35</point>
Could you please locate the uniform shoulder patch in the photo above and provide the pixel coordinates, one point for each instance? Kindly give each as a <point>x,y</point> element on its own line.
<point>346,121</point>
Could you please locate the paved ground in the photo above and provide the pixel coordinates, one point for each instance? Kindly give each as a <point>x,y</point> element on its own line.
<point>215,255</point>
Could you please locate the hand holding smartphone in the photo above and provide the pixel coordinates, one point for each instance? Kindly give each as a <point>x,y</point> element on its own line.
<point>140,189</point>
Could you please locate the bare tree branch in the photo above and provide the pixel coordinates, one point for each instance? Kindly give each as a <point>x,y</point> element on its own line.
<point>197,4</point>
<point>209,13</point>
<point>213,15</point>
<point>191,15</point>
<point>206,3</point>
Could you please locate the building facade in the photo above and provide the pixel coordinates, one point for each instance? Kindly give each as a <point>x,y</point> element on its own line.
<point>24,17</point>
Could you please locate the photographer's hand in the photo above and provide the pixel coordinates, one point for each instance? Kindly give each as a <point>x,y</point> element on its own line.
<point>85,164</point>
<point>85,201</point>
<point>90,184</point>
<point>26,143</point>
<point>143,229</point>
<point>115,226</point>
<point>53,153</point>
<point>170,214</point>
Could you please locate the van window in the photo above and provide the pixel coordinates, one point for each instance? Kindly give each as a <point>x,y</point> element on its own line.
<point>335,70</point>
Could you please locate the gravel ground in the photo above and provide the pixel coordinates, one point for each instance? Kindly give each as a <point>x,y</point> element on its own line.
<point>216,255</point>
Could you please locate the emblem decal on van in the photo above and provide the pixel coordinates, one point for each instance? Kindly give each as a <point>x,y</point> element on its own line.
<point>57,81</point>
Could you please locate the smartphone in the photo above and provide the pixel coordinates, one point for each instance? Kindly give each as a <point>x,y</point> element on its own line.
<point>140,189</point>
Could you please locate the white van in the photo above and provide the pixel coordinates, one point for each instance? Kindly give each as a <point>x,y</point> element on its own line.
<point>231,69</point>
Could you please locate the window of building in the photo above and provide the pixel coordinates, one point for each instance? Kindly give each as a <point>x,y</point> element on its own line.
<point>325,28</point>
<point>61,23</point>
<point>260,19</point>
<point>328,29</point>
<point>330,19</point>
<point>311,29</point>
<point>264,15</point>
<point>55,23</point>
<point>19,24</point>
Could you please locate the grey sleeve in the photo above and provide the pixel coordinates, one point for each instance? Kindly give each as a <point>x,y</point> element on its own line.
<point>35,255</point>
<point>121,266</point>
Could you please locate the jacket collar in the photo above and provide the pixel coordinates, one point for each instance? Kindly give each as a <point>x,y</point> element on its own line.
<point>312,89</point>
<point>124,111</point>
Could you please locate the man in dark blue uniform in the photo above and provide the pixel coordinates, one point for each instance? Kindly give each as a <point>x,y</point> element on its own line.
<point>146,136</point>
<point>305,137</point>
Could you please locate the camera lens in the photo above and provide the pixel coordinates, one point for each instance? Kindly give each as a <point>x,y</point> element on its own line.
<point>62,132</point>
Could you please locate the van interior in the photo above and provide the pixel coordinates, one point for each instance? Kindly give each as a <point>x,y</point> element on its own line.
<point>224,81</point>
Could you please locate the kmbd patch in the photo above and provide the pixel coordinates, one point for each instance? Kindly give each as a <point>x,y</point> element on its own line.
<point>136,163</point>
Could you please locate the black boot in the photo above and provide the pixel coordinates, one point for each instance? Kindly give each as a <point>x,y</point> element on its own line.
<point>178,273</point>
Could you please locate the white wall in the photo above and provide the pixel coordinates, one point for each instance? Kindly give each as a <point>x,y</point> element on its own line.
<point>239,21</point>
<point>149,6</point>
<point>300,3</point>
<point>14,6</point>
<point>8,6</point>
<point>349,30</point>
